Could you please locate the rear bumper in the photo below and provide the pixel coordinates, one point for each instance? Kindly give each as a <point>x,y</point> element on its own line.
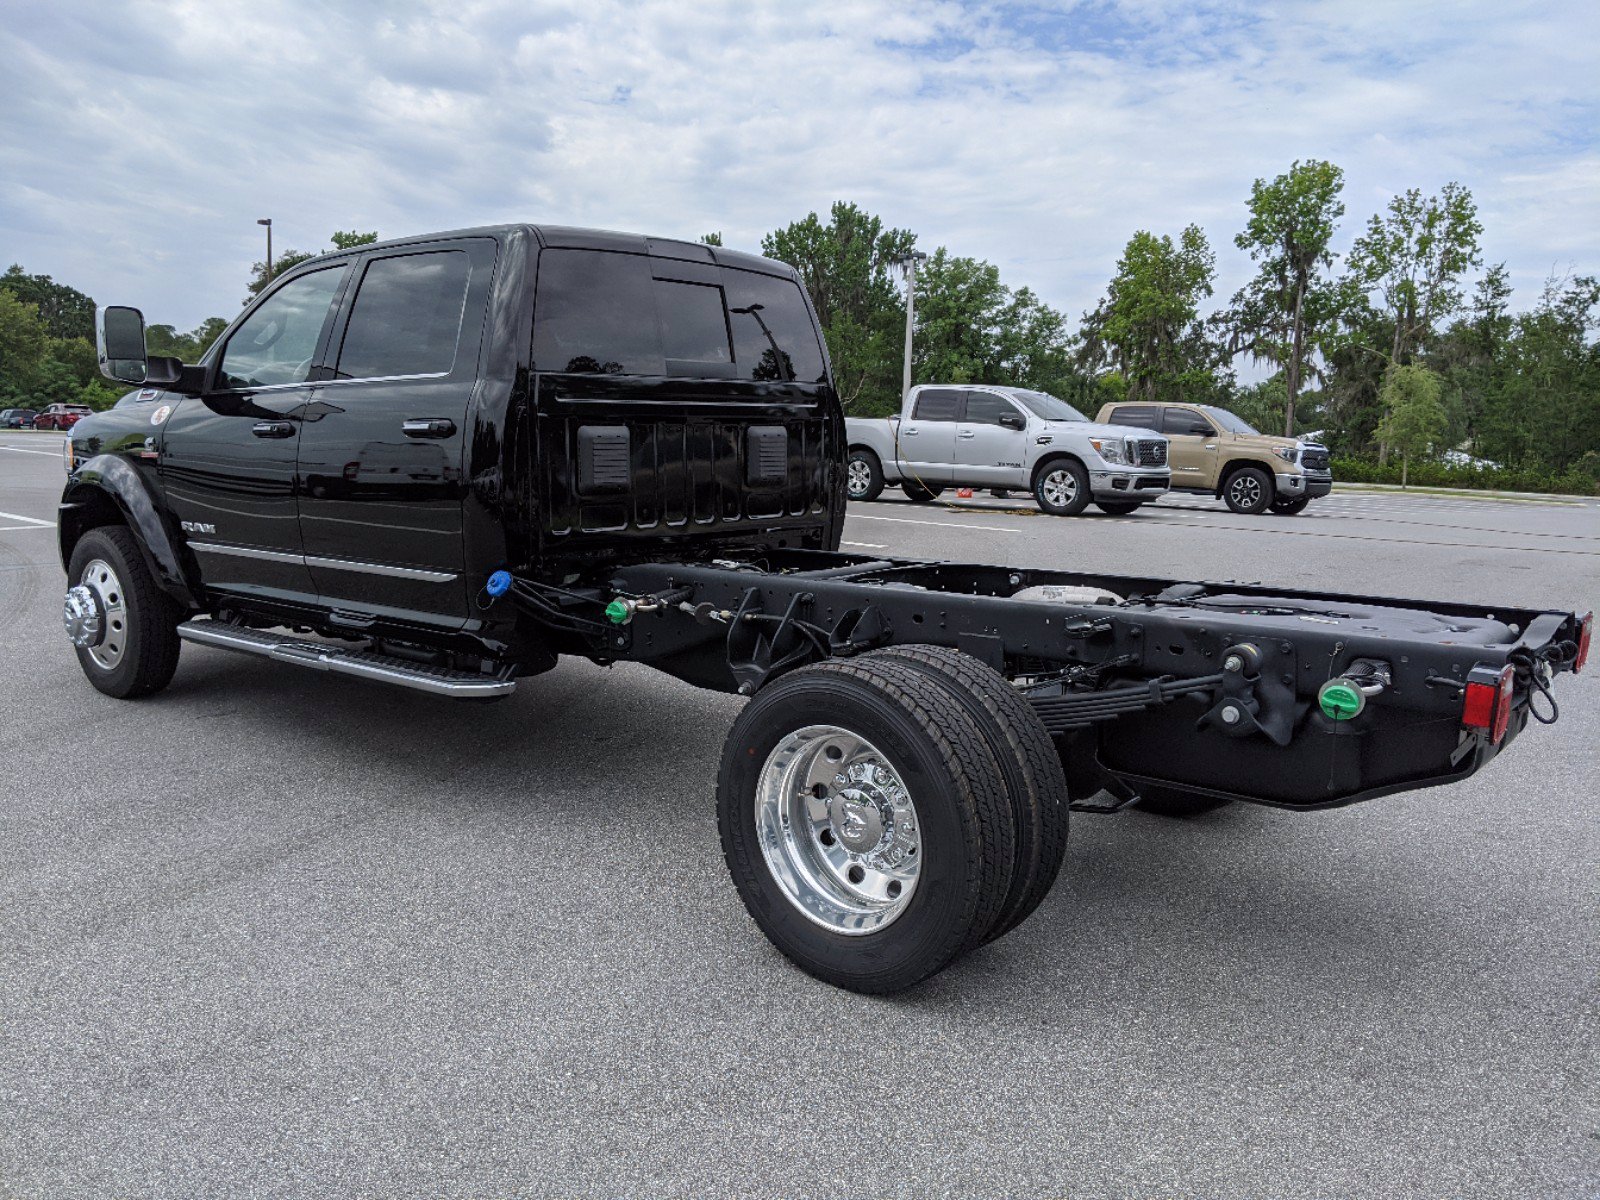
<point>1128,483</point>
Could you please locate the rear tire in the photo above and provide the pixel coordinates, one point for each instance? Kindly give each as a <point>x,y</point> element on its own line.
<point>1248,491</point>
<point>138,652</point>
<point>1061,487</point>
<point>1118,508</point>
<point>923,797</point>
<point>864,475</point>
<point>1028,763</point>
<point>1290,508</point>
<point>919,493</point>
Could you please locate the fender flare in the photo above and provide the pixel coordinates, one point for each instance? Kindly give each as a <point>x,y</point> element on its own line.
<point>107,477</point>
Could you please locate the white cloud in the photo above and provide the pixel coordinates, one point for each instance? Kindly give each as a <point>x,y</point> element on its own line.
<point>138,145</point>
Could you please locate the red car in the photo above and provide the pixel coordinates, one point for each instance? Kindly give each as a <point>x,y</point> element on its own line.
<point>61,416</point>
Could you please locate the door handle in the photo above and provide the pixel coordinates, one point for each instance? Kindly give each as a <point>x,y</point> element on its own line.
<point>273,429</point>
<point>909,432</point>
<point>428,427</point>
<point>966,433</point>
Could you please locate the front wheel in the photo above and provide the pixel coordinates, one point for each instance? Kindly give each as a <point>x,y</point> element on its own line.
<point>1062,488</point>
<point>1117,508</point>
<point>864,476</point>
<point>919,493</point>
<point>1290,508</point>
<point>122,625</point>
<point>1248,491</point>
<point>865,823</point>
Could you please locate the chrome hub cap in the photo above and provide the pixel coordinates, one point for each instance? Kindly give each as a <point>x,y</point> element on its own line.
<point>80,613</point>
<point>860,477</point>
<point>1060,488</point>
<point>104,634</point>
<point>838,829</point>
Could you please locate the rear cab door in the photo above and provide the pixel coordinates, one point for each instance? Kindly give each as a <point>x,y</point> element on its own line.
<point>382,435</point>
<point>927,441</point>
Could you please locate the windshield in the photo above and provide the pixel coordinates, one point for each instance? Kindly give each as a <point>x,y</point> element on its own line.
<point>1230,422</point>
<point>1045,406</point>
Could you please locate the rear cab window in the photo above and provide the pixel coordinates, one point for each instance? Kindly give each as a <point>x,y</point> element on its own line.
<point>1144,416</point>
<point>407,317</point>
<point>612,313</point>
<point>938,404</point>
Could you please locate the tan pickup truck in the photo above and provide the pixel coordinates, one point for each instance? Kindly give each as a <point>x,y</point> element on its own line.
<point>1215,453</point>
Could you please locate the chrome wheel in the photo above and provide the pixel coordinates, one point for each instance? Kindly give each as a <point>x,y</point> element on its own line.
<point>106,649</point>
<point>1245,491</point>
<point>838,829</point>
<point>860,477</point>
<point>1060,487</point>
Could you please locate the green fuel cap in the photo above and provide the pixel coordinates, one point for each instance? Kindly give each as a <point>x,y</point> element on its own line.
<point>1340,701</point>
<point>619,612</point>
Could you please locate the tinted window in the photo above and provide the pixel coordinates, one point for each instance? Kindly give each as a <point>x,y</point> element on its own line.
<point>407,317</point>
<point>1184,422</point>
<point>1146,416</point>
<point>693,325</point>
<point>595,312</point>
<point>277,342</point>
<point>1049,407</point>
<point>985,408</point>
<point>937,404</point>
<point>1231,422</point>
<point>773,337</point>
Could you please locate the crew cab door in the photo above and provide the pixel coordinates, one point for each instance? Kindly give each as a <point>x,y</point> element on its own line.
<point>991,442</point>
<point>381,439</point>
<point>227,458</point>
<point>927,449</point>
<point>1192,453</point>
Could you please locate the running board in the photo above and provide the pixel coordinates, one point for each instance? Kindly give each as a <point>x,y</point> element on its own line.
<point>364,664</point>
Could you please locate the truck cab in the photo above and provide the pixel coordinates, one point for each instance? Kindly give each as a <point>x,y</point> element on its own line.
<point>1006,438</point>
<point>1218,453</point>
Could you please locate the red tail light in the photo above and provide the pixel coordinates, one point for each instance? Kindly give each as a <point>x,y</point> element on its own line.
<point>1585,628</point>
<point>1488,700</point>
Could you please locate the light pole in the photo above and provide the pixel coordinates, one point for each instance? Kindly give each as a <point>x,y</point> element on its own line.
<point>267,221</point>
<point>908,264</point>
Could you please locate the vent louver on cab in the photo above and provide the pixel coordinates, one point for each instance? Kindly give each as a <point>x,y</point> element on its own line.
<point>604,458</point>
<point>766,455</point>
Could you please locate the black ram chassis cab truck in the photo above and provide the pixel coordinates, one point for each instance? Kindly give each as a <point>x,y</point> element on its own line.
<point>447,461</point>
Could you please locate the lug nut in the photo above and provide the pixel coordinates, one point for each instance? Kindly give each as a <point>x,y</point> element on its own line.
<point>1230,714</point>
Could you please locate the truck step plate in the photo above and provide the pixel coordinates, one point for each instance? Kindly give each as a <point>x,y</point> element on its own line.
<point>365,664</point>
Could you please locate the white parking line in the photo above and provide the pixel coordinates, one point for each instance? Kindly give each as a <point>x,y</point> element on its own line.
<point>28,520</point>
<point>12,528</point>
<point>942,524</point>
<point>20,450</point>
<point>866,545</point>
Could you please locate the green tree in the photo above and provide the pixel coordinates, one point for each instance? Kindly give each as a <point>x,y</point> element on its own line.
<point>1413,419</point>
<point>64,312</point>
<point>1146,328</point>
<point>1414,255</point>
<point>712,239</point>
<point>1283,315</point>
<point>340,240</point>
<point>847,267</point>
<point>23,346</point>
<point>165,340</point>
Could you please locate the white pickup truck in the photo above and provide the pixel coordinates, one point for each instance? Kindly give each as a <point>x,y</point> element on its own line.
<point>1004,437</point>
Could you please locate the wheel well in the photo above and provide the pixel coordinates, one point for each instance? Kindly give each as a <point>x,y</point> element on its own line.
<point>865,450</point>
<point>1058,456</point>
<point>90,509</point>
<point>1232,467</point>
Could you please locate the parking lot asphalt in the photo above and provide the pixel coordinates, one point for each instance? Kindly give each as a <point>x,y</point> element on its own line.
<point>276,933</point>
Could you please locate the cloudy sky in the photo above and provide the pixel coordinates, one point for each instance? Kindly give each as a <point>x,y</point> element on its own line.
<point>139,141</point>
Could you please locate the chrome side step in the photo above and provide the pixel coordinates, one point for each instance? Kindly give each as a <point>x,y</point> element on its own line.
<point>365,664</point>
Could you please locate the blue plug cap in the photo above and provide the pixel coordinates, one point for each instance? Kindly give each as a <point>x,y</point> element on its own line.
<point>499,583</point>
